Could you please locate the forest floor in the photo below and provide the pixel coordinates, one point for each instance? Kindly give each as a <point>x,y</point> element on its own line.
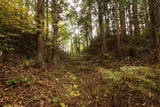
<point>82,84</point>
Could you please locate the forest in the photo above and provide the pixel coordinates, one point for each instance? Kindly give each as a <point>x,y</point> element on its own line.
<point>79,53</point>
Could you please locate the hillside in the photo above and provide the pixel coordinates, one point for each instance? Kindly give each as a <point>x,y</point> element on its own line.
<point>81,84</point>
<point>79,53</point>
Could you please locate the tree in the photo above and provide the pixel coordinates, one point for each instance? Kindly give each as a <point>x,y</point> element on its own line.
<point>101,28</point>
<point>155,25</point>
<point>130,21</point>
<point>119,34</point>
<point>122,19</point>
<point>107,19</point>
<point>135,18</point>
<point>40,30</point>
<point>56,10</point>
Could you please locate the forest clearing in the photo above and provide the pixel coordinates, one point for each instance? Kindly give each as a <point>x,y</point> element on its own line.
<point>79,53</point>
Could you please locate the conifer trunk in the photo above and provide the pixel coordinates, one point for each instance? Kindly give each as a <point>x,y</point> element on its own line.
<point>40,31</point>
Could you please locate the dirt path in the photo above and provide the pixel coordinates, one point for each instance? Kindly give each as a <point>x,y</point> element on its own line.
<point>77,86</point>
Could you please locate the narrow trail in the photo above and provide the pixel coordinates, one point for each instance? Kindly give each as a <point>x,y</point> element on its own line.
<point>81,84</point>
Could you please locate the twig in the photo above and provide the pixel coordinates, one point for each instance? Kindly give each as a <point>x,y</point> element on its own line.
<point>18,97</point>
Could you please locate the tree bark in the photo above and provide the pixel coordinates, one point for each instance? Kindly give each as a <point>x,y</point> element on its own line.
<point>135,18</point>
<point>40,31</point>
<point>154,9</point>
<point>55,29</point>
<point>130,22</point>
<point>122,19</point>
<point>118,29</point>
<point>90,22</point>
<point>107,19</point>
<point>147,23</point>
<point>101,29</point>
<point>47,20</point>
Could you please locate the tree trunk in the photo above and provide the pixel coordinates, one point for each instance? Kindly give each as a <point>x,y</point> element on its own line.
<point>55,20</point>
<point>130,22</point>
<point>107,14</point>
<point>122,19</point>
<point>90,22</point>
<point>101,29</point>
<point>147,24</point>
<point>155,26</point>
<point>47,18</point>
<point>135,18</point>
<point>118,29</point>
<point>48,53</point>
<point>40,31</point>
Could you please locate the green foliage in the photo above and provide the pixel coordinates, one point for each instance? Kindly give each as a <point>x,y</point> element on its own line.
<point>55,99</point>
<point>28,62</point>
<point>72,90</point>
<point>11,105</point>
<point>71,76</point>
<point>18,79</point>
<point>13,81</point>
<point>15,17</point>
<point>63,105</point>
<point>14,21</point>
<point>109,74</point>
<point>136,77</point>
<point>134,69</point>
<point>14,95</point>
